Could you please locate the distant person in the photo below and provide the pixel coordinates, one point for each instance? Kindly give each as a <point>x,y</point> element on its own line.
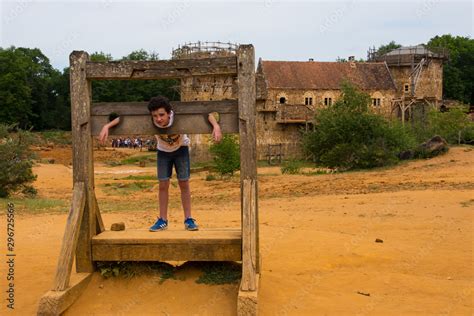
<point>172,151</point>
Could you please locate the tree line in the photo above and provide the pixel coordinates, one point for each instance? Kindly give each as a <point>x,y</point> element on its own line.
<point>35,96</point>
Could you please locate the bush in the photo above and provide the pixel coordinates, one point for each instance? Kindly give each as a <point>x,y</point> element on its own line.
<point>291,167</point>
<point>226,155</point>
<point>349,135</point>
<point>453,125</point>
<point>15,162</point>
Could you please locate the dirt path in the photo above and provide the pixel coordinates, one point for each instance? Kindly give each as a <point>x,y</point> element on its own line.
<point>317,242</point>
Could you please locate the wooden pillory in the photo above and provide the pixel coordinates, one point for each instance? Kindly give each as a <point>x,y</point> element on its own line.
<point>85,236</point>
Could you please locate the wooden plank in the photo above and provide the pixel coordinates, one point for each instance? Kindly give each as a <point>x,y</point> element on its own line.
<point>249,242</point>
<point>180,245</point>
<point>99,222</point>
<point>71,234</point>
<point>161,69</point>
<point>167,252</point>
<point>190,117</point>
<point>83,168</point>
<point>142,236</point>
<point>247,301</point>
<point>183,124</point>
<point>56,302</point>
<point>140,108</point>
<point>248,166</point>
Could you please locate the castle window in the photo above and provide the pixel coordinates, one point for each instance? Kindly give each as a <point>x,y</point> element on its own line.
<point>282,100</point>
<point>308,101</point>
<point>406,87</point>
<point>327,101</point>
<point>376,101</point>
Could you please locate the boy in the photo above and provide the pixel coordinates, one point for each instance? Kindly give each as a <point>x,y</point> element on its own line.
<point>172,150</point>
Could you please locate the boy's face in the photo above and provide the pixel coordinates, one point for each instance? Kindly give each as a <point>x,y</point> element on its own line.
<point>161,117</point>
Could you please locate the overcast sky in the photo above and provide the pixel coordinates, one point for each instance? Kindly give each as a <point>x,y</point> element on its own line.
<point>279,30</point>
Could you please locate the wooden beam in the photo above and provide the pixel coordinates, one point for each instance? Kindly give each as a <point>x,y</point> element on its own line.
<point>53,303</point>
<point>161,69</point>
<point>248,166</point>
<point>191,118</point>
<point>175,245</point>
<point>247,301</point>
<point>71,234</point>
<point>99,222</point>
<point>249,237</point>
<point>83,167</point>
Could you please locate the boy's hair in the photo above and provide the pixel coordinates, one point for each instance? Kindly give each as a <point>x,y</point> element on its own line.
<point>159,102</point>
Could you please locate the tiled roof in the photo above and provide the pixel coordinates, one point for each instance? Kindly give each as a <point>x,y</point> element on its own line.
<point>314,75</point>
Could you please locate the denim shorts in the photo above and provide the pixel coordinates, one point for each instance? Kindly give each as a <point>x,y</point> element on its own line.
<point>178,158</point>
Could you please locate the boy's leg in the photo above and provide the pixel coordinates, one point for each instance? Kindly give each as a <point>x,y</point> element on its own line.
<point>183,170</point>
<point>163,196</point>
<point>165,168</point>
<point>185,197</point>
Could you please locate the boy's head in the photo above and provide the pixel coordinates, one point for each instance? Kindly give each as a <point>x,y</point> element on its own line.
<point>160,110</point>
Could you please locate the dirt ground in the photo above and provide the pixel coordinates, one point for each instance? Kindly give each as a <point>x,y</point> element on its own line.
<point>317,237</point>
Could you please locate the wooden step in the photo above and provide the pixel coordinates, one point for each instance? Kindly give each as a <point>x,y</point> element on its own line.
<point>169,245</point>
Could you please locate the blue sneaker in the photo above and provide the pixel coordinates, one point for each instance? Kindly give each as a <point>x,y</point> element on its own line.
<point>190,224</point>
<point>160,224</point>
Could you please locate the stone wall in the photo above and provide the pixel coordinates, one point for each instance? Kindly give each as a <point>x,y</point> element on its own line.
<point>430,82</point>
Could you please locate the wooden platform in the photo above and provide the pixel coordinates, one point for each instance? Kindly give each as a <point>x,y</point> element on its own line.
<point>168,245</point>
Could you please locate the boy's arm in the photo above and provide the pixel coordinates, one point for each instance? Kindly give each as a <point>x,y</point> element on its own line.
<point>104,133</point>
<point>216,129</point>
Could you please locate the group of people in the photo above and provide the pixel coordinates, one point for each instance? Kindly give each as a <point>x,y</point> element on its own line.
<point>127,142</point>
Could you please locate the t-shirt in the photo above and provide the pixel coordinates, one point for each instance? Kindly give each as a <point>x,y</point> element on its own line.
<point>170,142</point>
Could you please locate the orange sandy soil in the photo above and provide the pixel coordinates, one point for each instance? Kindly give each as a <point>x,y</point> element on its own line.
<point>317,241</point>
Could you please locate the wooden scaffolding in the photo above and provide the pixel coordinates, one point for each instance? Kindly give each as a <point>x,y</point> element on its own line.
<point>85,237</point>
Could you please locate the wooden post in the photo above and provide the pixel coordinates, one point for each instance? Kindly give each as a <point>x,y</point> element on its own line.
<point>83,168</point>
<point>248,165</point>
<point>71,234</point>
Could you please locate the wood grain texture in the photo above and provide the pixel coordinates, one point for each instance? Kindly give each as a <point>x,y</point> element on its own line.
<point>83,167</point>
<point>160,69</point>
<point>71,234</point>
<point>53,303</point>
<point>190,118</point>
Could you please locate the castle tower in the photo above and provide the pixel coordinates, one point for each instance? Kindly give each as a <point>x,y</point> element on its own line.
<point>217,87</point>
<point>418,75</point>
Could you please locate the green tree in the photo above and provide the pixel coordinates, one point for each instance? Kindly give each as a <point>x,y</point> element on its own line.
<point>131,90</point>
<point>349,135</point>
<point>458,72</point>
<point>383,49</point>
<point>226,155</point>
<point>28,90</point>
<point>15,162</point>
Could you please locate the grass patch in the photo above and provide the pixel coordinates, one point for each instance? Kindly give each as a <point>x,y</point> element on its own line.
<point>56,137</point>
<point>134,160</point>
<point>467,203</point>
<point>127,187</point>
<point>127,269</point>
<point>220,273</point>
<point>138,177</point>
<point>36,205</point>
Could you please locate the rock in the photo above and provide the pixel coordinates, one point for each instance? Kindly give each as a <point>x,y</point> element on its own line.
<point>379,240</point>
<point>118,226</point>
<point>101,286</point>
<point>407,154</point>
<point>51,161</point>
<point>433,147</point>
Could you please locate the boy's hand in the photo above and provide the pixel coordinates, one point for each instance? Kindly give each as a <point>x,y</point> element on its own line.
<point>104,132</point>
<point>217,133</point>
<point>214,118</point>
